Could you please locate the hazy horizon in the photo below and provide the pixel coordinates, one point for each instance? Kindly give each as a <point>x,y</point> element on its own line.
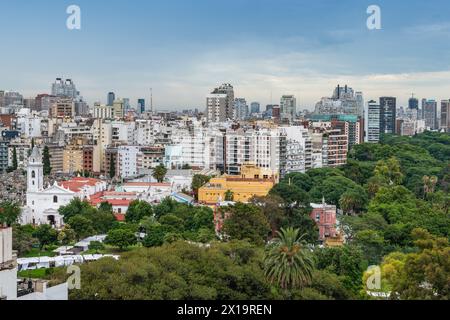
<point>182,50</point>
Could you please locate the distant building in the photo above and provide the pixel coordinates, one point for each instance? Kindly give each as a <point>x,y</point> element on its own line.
<point>255,108</point>
<point>343,101</point>
<point>4,146</point>
<point>253,181</point>
<point>118,109</point>
<point>445,115</point>
<point>429,114</point>
<point>129,161</point>
<point>102,111</point>
<point>64,89</point>
<point>325,217</point>
<point>73,159</point>
<point>141,105</point>
<point>413,103</point>
<point>44,102</point>
<point>374,122</point>
<point>388,115</point>
<point>63,108</point>
<point>42,203</point>
<point>220,104</point>
<point>288,107</point>
<point>111,98</point>
<point>240,109</point>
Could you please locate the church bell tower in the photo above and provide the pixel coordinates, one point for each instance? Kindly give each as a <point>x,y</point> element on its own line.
<point>35,172</point>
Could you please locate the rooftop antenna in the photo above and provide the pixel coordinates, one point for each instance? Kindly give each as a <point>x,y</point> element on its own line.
<point>151,100</point>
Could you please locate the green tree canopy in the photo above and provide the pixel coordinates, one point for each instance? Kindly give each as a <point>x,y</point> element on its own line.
<point>121,238</point>
<point>137,210</point>
<point>245,222</point>
<point>9,213</point>
<point>159,173</point>
<point>46,161</point>
<point>46,235</point>
<point>199,181</point>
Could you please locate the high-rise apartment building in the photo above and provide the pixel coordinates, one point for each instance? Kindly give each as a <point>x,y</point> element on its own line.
<point>263,147</point>
<point>63,108</point>
<point>288,107</point>
<point>360,103</point>
<point>429,114</point>
<point>373,122</point>
<point>64,89</point>
<point>334,148</point>
<point>128,157</point>
<point>240,109</point>
<point>220,104</point>
<point>44,102</point>
<point>343,101</point>
<point>445,115</point>
<point>388,115</point>
<point>118,109</point>
<point>102,111</point>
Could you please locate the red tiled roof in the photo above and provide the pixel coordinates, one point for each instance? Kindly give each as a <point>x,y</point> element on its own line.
<point>76,184</point>
<point>98,198</point>
<point>118,202</point>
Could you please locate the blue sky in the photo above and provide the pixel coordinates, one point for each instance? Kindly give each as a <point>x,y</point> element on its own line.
<point>184,48</point>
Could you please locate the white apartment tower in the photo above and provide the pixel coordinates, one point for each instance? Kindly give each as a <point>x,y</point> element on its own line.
<point>288,107</point>
<point>373,122</point>
<point>220,104</point>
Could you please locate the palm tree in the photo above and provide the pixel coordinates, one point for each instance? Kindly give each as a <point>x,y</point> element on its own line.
<point>159,173</point>
<point>288,263</point>
<point>429,183</point>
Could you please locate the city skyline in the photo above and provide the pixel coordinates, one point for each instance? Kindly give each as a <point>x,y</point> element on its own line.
<point>183,53</point>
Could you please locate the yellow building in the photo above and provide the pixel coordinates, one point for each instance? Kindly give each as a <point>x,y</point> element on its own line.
<point>73,159</point>
<point>253,181</point>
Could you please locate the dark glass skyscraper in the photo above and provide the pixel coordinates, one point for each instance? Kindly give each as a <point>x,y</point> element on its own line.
<point>413,103</point>
<point>111,98</point>
<point>141,105</point>
<point>255,107</point>
<point>388,114</point>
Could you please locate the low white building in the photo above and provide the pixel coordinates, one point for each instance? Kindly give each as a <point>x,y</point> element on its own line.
<point>8,266</point>
<point>11,288</point>
<point>43,203</point>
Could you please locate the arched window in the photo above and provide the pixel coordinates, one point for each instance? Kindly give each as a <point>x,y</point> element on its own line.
<point>33,174</point>
<point>55,199</point>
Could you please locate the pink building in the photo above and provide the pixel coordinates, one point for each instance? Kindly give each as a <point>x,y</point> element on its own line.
<point>325,217</point>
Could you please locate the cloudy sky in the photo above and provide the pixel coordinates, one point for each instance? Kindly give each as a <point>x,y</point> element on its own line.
<point>184,48</point>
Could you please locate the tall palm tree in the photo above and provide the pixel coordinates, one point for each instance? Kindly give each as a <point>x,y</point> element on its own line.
<point>429,183</point>
<point>159,173</point>
<point>288,263</point>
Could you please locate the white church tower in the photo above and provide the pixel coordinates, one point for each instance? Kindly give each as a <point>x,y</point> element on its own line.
<point>35,172</point>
